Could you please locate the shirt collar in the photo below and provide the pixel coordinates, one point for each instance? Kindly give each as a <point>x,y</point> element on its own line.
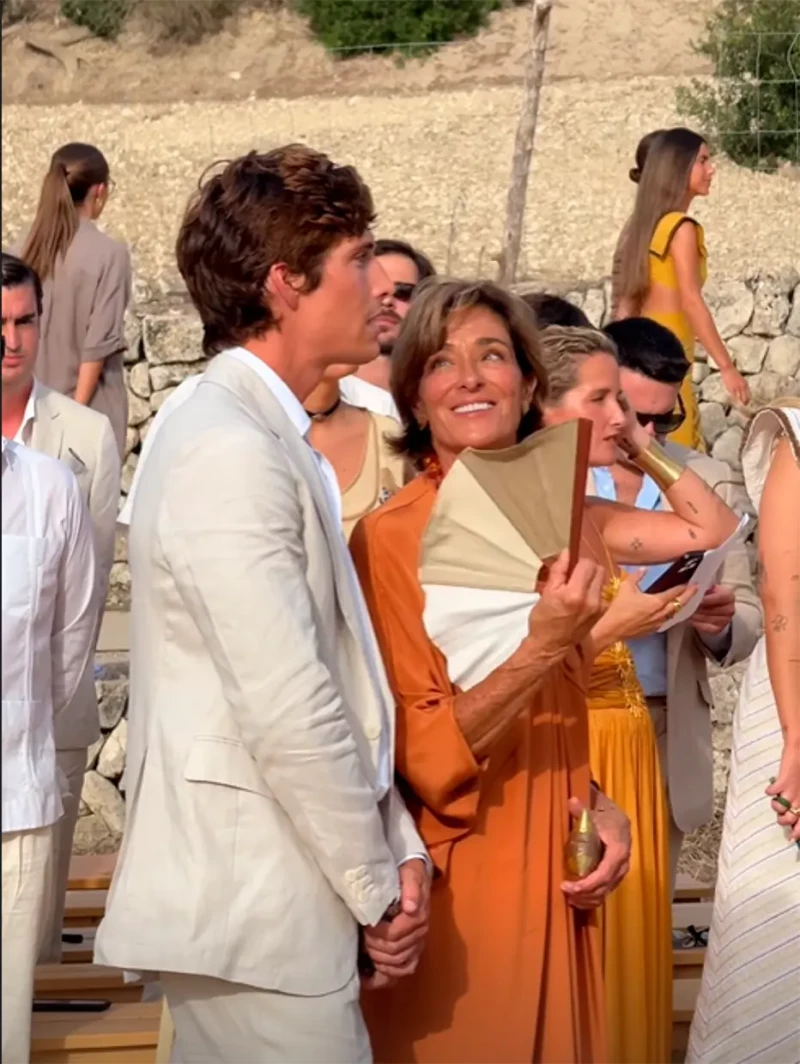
<point>649,497</point>
<point>289,402</point>
<point>29,415</point>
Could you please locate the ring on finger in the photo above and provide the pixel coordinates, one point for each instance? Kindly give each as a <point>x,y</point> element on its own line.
<point>675,607</point>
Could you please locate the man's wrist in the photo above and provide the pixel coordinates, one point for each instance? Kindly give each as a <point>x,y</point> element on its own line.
<point>719,643</point>
<point>422,857</point>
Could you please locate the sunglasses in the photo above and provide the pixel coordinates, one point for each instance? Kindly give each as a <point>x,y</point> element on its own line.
<point>663,424</point>
<point>404,291</point>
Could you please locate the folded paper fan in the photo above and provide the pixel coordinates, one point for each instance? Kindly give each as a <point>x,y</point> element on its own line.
<point>501,515</point>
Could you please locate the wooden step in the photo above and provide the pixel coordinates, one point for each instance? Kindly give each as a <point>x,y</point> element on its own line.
<point>91,871</point>
<point>684,999</point>
<point>692,913</point>
<point>63,981</point>
<point>84,908</point>
<point>82,953</point>
<point>688,889</point>
<point>688,963</point>
<point>125,1034</point>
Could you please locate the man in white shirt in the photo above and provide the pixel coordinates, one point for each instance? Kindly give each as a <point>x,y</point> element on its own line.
<point>673,667</point>
<point>48,623</point>
<point>83,440</point>
<point>264,836</point>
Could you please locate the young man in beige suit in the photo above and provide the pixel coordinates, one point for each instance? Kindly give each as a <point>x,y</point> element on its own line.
<point>263,827</point>
<point>82,439</point>
<point>673,667</point>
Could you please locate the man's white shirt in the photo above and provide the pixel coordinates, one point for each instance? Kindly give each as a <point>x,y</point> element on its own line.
<point>353,390</point>
<point>48,622</point>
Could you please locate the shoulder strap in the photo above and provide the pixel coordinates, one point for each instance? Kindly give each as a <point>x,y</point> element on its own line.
<point>665,231</point>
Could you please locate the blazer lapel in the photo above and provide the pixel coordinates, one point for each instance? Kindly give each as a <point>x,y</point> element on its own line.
<point>268,411</point>
<point>48,430</point>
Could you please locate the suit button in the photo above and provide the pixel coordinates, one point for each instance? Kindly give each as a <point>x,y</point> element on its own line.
<point>372,731</point>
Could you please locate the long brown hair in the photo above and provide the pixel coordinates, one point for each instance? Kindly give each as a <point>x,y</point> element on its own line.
<point>74,170</point>
<point>424,332</point>
<point>662,188</point>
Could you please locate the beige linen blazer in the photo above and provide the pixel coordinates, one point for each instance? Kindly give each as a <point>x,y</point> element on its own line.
<point>254,843</point>
<point>84,440</point>
<point>689,749</point>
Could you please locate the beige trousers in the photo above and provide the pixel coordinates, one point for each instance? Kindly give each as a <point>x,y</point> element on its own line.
<point>658,714</point>
<point>73,764</point>
<point>217,1022</point>
<point>28,864</point>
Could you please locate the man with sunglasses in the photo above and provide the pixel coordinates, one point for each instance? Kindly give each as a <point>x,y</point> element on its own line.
<point>673,667</point>
<point>406,269</point>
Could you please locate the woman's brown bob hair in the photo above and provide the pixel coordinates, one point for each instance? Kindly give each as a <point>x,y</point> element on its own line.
<point>424,332</point>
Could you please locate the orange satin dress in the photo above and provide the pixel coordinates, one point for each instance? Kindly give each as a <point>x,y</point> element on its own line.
<point>637,917</point>
<point>511,973</point>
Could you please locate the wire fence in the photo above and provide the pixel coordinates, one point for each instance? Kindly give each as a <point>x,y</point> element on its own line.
<point>752,105</point>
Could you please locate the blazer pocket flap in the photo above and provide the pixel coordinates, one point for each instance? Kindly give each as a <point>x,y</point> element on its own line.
<point>223,761</point>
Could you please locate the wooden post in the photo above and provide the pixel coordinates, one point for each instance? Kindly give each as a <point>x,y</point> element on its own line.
<point>523,143</point>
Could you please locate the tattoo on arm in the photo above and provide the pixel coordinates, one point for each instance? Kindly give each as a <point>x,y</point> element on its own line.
<point>779,623</point>
<point>636,544</point>
<point>692,534</point>
<point>692,507</point>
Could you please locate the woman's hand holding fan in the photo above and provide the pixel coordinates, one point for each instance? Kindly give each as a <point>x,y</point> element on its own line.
<point>569,607</point>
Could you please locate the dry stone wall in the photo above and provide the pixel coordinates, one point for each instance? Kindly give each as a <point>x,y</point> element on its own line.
<point>758,317</point>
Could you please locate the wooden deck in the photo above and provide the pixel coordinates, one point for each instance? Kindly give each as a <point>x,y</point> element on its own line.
<point>127,1033</point>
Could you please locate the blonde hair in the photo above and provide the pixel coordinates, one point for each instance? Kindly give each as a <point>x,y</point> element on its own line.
<point>74,170</point>
<point>662,188</point>
<point>564,350</point>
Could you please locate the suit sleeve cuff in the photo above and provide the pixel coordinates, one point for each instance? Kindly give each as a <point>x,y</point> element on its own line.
<point>418,857</point>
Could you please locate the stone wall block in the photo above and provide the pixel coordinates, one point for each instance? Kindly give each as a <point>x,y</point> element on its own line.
<point>748,353</point>
<point>728,447</point>
<point>138,409</point>
<point>783,356</point>
<point>174,336</point>
<point>713,421</point>
<point>731,303</point>
<point>167,376</point>
<point>772,306</point>
<point>793,324</point>
<point>105,801</point>
<point>112,700</point>
<point>111,762</point>
<point>139,380</point>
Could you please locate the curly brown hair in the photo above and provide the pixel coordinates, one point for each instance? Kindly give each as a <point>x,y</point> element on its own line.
<point>288,206</point>
<point>424,332</point>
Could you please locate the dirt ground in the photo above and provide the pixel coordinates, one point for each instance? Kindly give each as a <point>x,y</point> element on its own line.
<point>272,54</point>
<point>433,137</point>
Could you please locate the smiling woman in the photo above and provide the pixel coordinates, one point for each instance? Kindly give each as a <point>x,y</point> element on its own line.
<point>511,970</point>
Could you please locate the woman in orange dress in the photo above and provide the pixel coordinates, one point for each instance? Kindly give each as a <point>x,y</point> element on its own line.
<point>511,970</point>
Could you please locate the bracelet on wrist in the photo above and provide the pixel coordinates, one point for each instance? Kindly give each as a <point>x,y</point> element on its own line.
<point>658,465</point>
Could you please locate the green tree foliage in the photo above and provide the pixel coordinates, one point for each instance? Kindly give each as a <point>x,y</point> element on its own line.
<point>103,17</point>
<point>752,108</point>
<point>362,25</point>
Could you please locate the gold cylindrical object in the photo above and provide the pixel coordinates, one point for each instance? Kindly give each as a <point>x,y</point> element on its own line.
<point>583,850</point>
<point>659,465</point>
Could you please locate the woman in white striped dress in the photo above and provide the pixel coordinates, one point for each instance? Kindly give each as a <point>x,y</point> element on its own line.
<point>748,1011</point>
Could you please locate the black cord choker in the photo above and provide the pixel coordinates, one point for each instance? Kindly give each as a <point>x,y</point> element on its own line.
<point>323,415</point>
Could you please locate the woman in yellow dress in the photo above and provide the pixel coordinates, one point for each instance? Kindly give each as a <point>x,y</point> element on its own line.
<point>662,262</point>
<point>583,379</point>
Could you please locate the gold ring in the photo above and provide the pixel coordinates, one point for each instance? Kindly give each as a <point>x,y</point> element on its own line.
<point>677,606</point>
<point>794,810</point>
